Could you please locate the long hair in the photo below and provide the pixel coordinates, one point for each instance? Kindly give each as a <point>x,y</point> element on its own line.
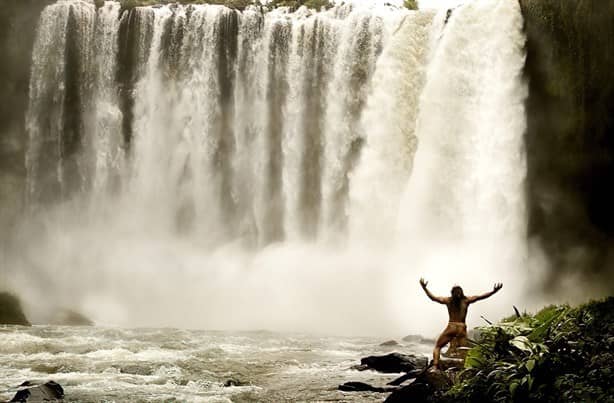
<point>457,294</point>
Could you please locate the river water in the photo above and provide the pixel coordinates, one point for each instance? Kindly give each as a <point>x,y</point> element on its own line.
<point>96,364</point>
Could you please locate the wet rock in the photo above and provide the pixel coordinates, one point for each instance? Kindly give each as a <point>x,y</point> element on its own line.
<point>361,387</point>
<point>458,352</point>
<point>393,363</point>
<point>233,382</point>
<point>414,392</point>
<point>451,363</point>
<point>389,343</point>
<point>50,391</point>
<point>67,317</point>
<point>414,338</point>
<point>410,375</point>
<point>426,385</point>
<point>436,379</point>
<point>10,310</point>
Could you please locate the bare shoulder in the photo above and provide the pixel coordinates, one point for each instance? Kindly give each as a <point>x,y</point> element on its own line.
<point>444,300</point>
<point>472,299</point>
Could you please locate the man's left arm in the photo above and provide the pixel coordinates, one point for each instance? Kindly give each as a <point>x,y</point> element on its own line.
<point>477,298</point>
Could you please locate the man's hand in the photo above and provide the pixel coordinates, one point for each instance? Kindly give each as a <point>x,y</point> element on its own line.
<point>497,287</point>
<point>423,283</point>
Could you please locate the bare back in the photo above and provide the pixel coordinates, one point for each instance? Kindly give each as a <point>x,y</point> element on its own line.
<point>457,310</point>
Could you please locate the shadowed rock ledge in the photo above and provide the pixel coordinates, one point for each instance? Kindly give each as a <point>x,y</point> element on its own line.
<point>11,312</point>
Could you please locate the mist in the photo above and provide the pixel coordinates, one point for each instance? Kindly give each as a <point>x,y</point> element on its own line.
<point>321,221</point>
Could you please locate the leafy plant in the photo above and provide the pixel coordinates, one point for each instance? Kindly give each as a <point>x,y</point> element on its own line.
<point>559,354</point>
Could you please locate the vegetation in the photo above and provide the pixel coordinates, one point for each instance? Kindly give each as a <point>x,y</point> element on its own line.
<point>411,4</point>
<point>558,354</point>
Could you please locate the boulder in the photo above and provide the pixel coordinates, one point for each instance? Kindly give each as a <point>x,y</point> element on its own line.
<point>428,384</point>
<point>67,317</point>
<point>361,387</point>
<point>392,363</point>
<point>389,343</point>
<point>414,393</point>
<point>233,382</point>
<point>410,375</point>
<point>10,311</point>
<point>50,391</point>
<point>414,338</point>
<point>451,363</point>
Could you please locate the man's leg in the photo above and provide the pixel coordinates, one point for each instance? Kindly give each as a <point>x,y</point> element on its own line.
<point>442,340</point>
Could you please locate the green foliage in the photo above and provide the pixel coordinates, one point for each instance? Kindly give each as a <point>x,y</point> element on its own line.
<point>558,354</point>
<point>411,4</point>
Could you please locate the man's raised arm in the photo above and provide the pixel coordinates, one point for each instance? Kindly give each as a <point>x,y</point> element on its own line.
<point>476,298</point>
<point>441,300</point>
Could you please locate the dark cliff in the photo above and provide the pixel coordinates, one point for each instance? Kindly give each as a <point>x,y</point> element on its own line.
<point>18,20</point>
<point>570,136</point>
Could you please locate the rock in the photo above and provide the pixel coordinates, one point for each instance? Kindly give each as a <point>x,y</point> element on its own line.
<point>360,387</point>
<point>437,379</point>
<point>10,311</point>
<point>389,343</point>
<point>50,391</point>
<point>67,317</point>
<point>393,362</point>
<point>427,384</point>
<point>233,382</point>
<point>414,393</point>
<point>458,352</point>
<point>414,338</point>
<point>410,375</point>
<point>451,363</point>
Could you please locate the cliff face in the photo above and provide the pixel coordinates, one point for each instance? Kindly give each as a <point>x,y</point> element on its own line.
<point>570,136</point>
<point>18,20</point>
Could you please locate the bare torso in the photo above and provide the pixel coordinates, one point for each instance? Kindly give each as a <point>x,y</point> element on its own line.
<point>457,311</point>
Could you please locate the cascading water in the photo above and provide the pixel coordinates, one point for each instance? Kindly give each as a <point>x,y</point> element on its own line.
<point>209,159</point>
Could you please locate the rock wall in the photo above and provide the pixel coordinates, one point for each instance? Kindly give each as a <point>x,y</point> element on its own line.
<point>570,136</point>
<point>18,20</point>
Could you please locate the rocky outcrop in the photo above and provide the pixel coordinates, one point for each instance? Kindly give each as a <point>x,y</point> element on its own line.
<point>570,134</point>
<point>389,343</point>
<point>10,310</point>
<point>392,363</point>
<point>427,385</point>
<point>47,392</point>
<point>67,317</point>
<point>18,20</point>
<point>414,338</point>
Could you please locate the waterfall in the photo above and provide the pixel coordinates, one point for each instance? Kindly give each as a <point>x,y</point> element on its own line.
<point>195,141</point>
<point>465,200</point>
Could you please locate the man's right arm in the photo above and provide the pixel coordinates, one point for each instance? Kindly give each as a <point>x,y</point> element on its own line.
<point>441,300</point>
